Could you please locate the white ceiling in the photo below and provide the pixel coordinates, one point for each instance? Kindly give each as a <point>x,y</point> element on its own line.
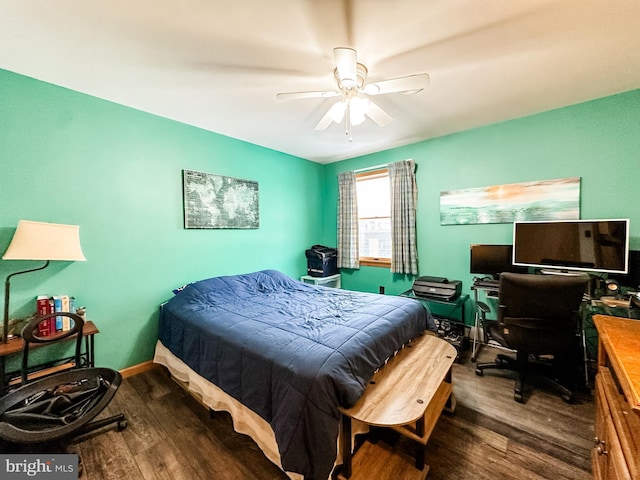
<point>218,64</point>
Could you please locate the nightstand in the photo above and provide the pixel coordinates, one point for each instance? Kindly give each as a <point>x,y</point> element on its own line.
<point>15,345</point>
<point>330,281</point>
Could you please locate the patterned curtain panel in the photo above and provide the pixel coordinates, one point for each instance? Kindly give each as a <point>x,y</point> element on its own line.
<point>348,254</point>
<point>404,196</point>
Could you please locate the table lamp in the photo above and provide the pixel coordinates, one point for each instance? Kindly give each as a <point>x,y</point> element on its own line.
<point>40,241</point>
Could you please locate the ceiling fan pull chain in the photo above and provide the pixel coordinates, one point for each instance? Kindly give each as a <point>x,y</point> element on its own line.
<point>347,121</point>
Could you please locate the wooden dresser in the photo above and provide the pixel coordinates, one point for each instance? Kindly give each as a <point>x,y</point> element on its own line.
<point>616,452</point>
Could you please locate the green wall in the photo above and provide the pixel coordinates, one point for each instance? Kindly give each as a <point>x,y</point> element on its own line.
<point>598,141</point>
<point>117,172</point>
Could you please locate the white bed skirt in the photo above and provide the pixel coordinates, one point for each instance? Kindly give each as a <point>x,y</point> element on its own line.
<point>245,421</point>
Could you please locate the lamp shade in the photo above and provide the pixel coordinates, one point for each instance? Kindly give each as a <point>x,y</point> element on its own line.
<point>45,241</point>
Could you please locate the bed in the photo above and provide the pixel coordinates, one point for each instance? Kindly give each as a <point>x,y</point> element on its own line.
<point>282,356</point>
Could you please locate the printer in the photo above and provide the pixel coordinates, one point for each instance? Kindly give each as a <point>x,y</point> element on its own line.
<point>438,288</point>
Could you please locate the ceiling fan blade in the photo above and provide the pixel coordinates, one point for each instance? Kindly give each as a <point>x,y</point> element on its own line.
<point>375,113</point>
<point>297,95</point>
<point>347,65</point>
<point>408,84</point>
<point>335,114</point>
<point>324,123</point>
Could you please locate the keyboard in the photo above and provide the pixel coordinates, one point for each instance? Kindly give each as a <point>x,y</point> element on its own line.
<point>486,283</point>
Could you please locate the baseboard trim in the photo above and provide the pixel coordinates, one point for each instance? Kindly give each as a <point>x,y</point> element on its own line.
<point>139,368</point>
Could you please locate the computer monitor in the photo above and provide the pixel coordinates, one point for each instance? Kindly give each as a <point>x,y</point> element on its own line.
<point>492,260</point>
<point>581,245</point>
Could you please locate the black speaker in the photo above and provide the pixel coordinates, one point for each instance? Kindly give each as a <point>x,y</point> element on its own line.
<point>612,287</point>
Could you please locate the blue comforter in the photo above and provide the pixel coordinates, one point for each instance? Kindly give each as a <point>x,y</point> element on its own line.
<point>289,351</point>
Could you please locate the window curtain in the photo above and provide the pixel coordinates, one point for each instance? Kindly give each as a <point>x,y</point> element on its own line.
<point>348,254</point>
<point>404,196</point>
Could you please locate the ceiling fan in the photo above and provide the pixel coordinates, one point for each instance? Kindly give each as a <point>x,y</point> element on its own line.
<point>354,103</point>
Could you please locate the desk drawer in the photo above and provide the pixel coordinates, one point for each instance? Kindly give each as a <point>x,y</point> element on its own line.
<point>622,428</point>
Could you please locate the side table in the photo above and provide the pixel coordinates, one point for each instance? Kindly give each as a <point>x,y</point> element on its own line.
<point>330,281</point>
<point>16,344</point>
<point>449,316</point>
<point>407,394</point>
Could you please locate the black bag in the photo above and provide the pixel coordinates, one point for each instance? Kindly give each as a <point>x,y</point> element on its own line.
<point>322,261</point>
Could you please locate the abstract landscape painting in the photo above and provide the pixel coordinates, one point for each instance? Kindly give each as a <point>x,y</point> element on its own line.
<point>557,199</point>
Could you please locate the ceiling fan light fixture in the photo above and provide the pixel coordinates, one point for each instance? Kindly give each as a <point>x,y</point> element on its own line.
<point>357,108</point>
<point>336,112</point>
<point>356,117</point>
<point>354,107</point>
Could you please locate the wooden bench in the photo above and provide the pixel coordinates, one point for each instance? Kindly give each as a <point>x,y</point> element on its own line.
<point>408,394</point>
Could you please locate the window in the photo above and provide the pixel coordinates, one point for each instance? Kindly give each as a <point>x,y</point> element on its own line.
<point>374,217</point>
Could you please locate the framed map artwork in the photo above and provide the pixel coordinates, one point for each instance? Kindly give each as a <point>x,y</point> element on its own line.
<point>215,201</point>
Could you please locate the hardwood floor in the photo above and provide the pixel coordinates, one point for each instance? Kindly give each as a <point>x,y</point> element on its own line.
<point>490,436</point>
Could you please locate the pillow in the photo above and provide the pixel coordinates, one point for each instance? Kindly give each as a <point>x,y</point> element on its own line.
<point>179,289</point>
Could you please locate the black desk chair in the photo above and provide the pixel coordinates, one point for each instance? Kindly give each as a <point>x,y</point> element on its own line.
<point>537,315</point>
<point>62,405</point>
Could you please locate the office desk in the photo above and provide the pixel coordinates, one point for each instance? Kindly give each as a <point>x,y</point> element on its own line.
<point>587,330</point>
<point>590,334</point>
<point>488,291</point>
